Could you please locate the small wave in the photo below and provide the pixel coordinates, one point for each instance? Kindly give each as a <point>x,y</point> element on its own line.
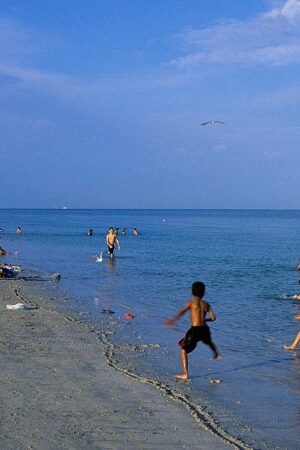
<point>284,296</point>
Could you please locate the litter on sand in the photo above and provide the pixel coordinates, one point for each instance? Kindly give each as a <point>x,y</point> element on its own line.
<point>17,306</point>
<point>129,316</point>
<point>107,311</point>
<point>9,270</point>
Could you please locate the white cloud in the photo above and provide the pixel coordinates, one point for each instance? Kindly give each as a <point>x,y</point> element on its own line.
<point>271,39</point>
<point>289,10</point>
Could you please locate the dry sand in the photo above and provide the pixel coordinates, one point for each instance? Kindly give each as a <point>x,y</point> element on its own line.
<point>58,390</point>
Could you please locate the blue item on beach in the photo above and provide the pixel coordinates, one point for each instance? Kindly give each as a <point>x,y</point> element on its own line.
<point>9,271</point>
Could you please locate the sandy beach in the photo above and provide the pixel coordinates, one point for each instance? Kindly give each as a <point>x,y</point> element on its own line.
<point>59,389</point>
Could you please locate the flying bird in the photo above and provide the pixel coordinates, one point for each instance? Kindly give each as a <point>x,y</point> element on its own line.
<point>212,122</point>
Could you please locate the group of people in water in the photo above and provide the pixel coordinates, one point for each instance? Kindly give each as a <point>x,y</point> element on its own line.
<point>116,231</point>
<point>112,238</point>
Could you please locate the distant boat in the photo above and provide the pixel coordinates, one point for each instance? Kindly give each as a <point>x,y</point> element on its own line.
<point>64,207</point>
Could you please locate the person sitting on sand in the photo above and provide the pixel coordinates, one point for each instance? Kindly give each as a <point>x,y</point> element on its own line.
<point>199,330</point>
<point>111,239</point>
<point>3,252</point>
<point>294,345</point>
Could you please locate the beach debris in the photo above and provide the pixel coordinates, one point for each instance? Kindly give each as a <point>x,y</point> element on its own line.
<point>215,381</point>
<point>17,306</point>
<point>32,276</point>
<point>129,316</point>
<point>9,270</point>
<point>107,311</point>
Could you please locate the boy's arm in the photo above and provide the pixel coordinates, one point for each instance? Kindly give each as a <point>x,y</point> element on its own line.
<point>178,315</point>
<point>106,238</point>
<point>212,316</point>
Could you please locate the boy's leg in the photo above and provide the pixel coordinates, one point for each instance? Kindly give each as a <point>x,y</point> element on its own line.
<point>207,340</point>
<point>184,362</point>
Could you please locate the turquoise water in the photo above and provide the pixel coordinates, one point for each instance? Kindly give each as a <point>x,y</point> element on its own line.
<point>247,260</point>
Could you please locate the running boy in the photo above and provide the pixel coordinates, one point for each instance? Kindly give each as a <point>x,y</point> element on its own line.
<point>199,331</point>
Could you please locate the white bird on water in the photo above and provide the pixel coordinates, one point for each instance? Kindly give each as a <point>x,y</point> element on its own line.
<point>99,258</point>
<point>212,122</point>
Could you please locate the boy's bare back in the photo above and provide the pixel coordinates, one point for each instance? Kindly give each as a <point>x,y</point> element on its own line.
<point>198,310</point>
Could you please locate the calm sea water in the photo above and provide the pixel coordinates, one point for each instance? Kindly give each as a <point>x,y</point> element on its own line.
<point>247,260</point>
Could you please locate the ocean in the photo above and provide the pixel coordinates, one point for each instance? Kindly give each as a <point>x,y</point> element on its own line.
<point>246,258</point>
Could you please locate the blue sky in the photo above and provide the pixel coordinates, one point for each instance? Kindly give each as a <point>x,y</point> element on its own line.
<point>101,103</point>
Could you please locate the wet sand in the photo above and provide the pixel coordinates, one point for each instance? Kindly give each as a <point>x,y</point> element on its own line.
<point>59,389</point>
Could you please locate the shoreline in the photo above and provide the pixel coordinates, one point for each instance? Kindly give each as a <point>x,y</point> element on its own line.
<point>62,389</point>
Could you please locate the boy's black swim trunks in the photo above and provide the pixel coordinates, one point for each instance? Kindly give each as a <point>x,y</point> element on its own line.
<point>193,336</point>
<point>111,249</point>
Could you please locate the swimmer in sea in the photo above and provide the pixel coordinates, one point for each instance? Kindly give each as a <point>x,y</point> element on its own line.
<point>19,231</point>
<point>111,239</point>
<point>294,345</point>
<point>124,231</point>
<point>298,267</point>
<point>135,232</point>
<point>90,232</point>
<point>199,330</point>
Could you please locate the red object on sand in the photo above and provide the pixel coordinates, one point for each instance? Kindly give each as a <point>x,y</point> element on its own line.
<point>129,316</point>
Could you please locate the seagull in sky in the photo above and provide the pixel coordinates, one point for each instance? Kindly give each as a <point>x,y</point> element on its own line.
<point>212,122</point>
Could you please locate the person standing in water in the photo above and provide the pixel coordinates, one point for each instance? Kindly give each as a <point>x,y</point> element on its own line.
<point>111,239</point>
<point>294,345</point>
<point>19,231</point>
<point>199,330</point>
<point>3,252</point>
